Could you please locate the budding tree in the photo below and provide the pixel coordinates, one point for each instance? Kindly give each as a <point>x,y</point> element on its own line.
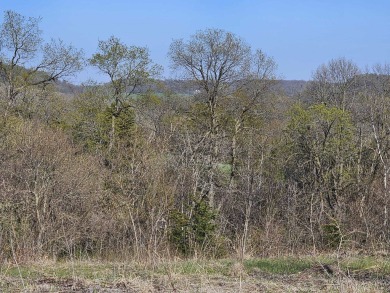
<point>220,64</point>
<point>25,61</point>
<point>128,68</point>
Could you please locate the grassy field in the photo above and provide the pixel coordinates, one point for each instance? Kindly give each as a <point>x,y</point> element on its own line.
<point>285,274</point>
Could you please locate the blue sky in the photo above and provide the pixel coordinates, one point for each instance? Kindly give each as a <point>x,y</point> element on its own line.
<point>301,35</point>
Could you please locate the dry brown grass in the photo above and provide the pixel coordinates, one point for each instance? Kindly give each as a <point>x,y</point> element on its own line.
<point>194,276</point>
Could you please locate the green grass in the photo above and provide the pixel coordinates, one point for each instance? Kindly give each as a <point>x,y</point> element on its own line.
<point>15,272</point>
<point>107,271</point>
<point>379,266</point>
<point>197,267</point>
<point>225,271</point>
<point>280,266</point>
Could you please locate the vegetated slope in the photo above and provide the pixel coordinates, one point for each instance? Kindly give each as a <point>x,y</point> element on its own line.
<point>228,165</point>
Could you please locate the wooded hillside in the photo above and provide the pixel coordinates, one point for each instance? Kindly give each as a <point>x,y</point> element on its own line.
<point>228,164</point>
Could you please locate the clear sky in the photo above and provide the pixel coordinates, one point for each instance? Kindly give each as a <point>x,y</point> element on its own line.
<point>299,34</point>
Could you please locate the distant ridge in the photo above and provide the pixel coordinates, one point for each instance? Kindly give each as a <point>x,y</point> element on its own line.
<point>289,88</point>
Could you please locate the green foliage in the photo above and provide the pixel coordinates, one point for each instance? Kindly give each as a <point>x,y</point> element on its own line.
<point>124,121</point>
<point>321,127</point>
<point>20,45</point>
<point>179,231</point>
<point>127,66</point>
<point>87,120</point>
<point>320,147</point>
<point>321,159</point>
<point>332,234</point>
<point>203,222</point>
<point>195,231</point>
<point>90,119</point>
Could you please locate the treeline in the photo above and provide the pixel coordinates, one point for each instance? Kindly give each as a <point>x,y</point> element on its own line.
<point>232,167</point>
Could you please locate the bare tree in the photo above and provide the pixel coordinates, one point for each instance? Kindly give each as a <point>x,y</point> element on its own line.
<point>216,61</point>
<point>333,83</point>
<point>376,103</point>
